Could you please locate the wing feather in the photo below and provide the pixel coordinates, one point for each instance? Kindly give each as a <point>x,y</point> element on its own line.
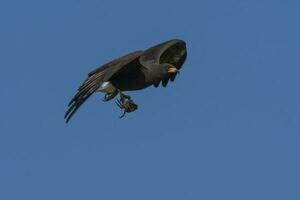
<point>165,82</point>
<point>95,79</point>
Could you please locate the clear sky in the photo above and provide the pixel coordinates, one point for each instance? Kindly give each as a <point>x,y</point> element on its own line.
<point>228,128</point>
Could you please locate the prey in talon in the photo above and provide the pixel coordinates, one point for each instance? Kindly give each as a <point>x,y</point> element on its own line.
<point>127,105</point>
<point>157,65</point>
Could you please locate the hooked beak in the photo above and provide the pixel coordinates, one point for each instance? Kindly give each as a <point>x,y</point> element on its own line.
<point>172,70</point>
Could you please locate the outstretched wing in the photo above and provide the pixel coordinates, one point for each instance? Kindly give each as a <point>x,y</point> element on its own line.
<point>96,78</point>
<point>172,52</point>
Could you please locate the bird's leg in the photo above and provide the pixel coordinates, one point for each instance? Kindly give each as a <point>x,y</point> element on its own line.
<point>123,96</point>
<point>110,96</point>
<point>125,100</point>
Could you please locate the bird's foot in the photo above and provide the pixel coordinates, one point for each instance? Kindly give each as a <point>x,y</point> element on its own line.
<point>110,96</point>
<point>123,96</point>
<point>126,104</point>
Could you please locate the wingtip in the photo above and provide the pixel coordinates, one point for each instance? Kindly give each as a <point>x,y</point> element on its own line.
<point>67,117</point>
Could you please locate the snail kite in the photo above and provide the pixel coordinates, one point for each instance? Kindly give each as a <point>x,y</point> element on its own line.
<point>134,71</point>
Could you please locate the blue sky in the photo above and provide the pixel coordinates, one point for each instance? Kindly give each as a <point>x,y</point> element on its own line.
<point>228,128</point>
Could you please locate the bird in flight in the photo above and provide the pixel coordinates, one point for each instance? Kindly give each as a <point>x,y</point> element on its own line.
<point>134,71</point>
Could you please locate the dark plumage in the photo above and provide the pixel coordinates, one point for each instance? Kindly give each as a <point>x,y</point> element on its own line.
<point>134,71</point>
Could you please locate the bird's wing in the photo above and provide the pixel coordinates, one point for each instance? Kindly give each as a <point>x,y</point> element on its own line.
<point>96,78</point>
<point>170,52</point>
<point>166,52</point>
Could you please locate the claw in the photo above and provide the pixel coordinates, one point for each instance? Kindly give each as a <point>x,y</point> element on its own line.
<point>119,104</point>
<point>123,114</point>
<point>110,96</point>
<point>105,98</point>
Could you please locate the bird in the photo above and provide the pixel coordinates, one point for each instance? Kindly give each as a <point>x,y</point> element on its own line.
<point>134,71</point>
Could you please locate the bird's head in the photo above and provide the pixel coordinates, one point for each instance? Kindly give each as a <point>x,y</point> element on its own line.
<point>172,55</point>
<point>164,61</point>
<point>169,69</point>
<point>164,70</point>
